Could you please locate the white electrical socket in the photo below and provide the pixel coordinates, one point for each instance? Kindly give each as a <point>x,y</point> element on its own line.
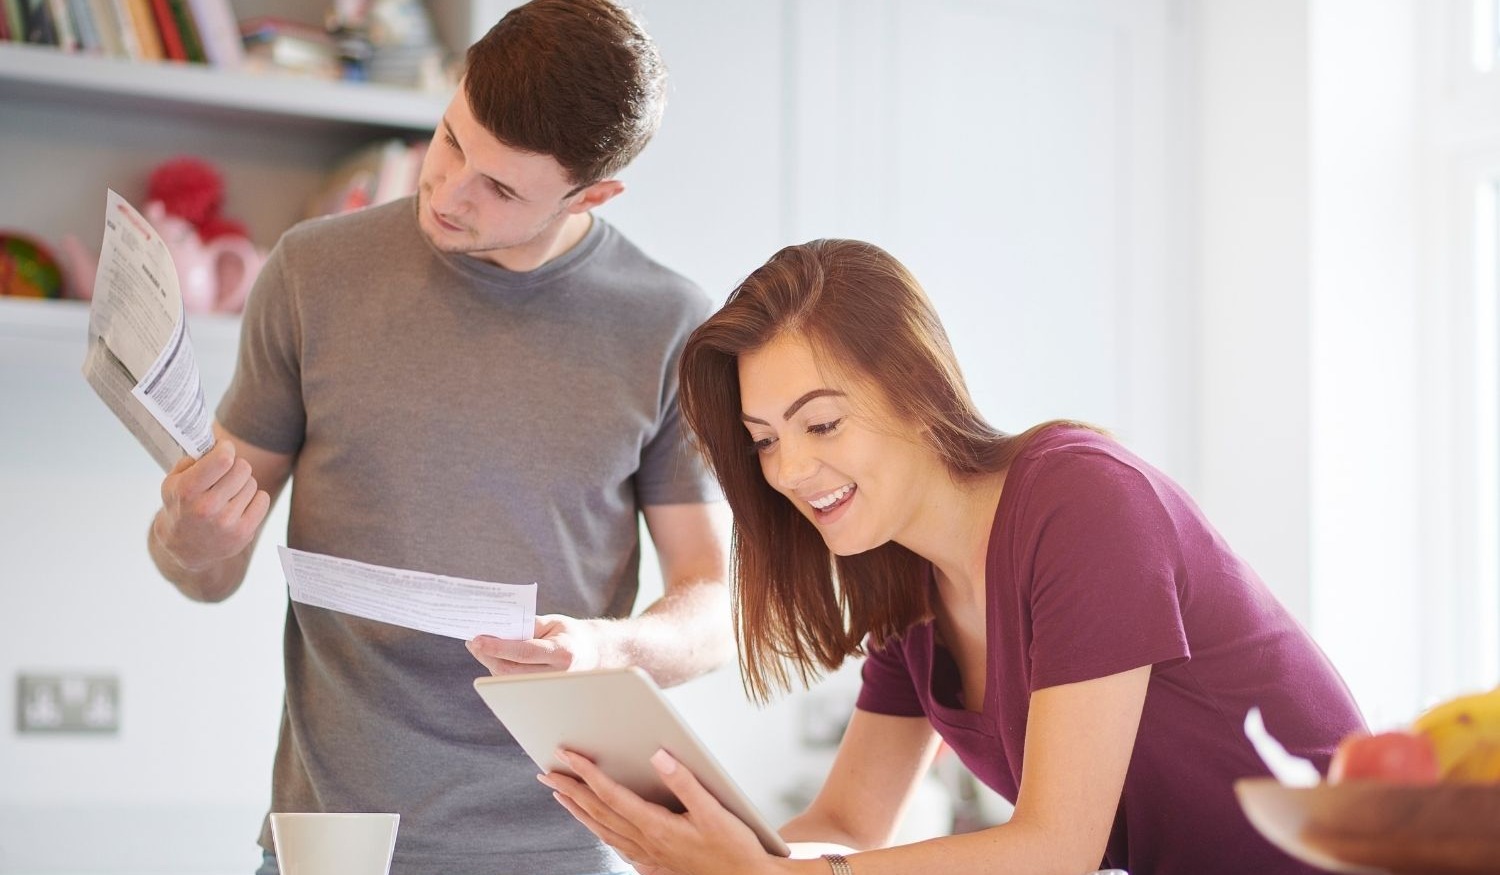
<point>67,703</point>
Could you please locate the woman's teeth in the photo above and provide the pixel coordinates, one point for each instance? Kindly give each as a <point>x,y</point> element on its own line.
<point>832,498</point>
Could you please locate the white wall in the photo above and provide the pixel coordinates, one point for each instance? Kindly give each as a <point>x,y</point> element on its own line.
<point>1366,573</point>
<point>1253,284</point>
<point>1013,154</point>
<point>1459,407</point>
<point>1341,323</point>
<point>184,782</point>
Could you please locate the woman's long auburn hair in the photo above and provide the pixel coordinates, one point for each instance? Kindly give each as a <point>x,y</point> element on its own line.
<point>797,605</point>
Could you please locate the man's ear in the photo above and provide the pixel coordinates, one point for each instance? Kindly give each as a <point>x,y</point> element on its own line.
<point>597,194</point>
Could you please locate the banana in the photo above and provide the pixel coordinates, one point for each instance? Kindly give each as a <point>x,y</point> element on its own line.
<point>1465,732</point>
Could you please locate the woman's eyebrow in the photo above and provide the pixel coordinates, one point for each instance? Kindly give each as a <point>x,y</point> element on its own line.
<point>796,405</point>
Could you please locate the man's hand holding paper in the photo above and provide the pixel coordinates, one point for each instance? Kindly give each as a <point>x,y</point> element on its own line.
<point>560,644</point>
<point>211,508</point>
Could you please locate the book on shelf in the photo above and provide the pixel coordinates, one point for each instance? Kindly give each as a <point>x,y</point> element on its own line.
<point>220,32</point>
<point>143,24</point>
<point>147,30</point>
<point>125,23</point>
<point>111,28</point>
<point>374,174</point>
<point>107,27</point>
<point>65,37</point>
<point>83,24</point>
<point>278,43</point>
<point>187,30</point>
<point>166,25</point>
<point>14,13</point>
<point>37,24</point>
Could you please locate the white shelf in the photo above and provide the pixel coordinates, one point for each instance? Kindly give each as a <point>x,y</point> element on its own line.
<point>66,317</point>
<point>40,317</point>
<point>40,73</point>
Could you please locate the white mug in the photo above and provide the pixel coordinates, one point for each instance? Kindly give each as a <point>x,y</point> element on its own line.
<point>334,844</point>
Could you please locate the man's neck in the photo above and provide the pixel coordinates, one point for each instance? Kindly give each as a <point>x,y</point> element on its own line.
<point>547,246</point>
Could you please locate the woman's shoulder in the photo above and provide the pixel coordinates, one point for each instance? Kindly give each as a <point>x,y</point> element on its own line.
<point>1066,440</point>
<point>1082,460</point>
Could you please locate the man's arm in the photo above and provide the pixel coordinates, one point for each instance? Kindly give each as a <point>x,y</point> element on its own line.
<point>212,512</point>
<point>681,635</point>
<point>687,631</point>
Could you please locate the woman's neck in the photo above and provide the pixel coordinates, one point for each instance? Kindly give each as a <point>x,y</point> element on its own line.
<point>952,530</point>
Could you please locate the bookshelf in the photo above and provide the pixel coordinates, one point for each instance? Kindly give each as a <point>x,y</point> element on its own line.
<point>40,73</point>
<point>75,124</point>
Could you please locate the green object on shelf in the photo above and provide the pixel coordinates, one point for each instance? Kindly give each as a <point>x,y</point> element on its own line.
<point>27,268</point>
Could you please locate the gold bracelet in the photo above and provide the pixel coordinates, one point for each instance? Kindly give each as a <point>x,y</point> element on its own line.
<point>839,864</point>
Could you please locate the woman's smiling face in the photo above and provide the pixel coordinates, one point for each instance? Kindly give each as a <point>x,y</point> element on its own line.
<point>834,448</point>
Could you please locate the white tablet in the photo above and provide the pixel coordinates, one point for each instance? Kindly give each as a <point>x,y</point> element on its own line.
<point>618,718</point>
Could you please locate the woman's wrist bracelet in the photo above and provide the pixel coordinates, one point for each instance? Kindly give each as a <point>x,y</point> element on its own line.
<point>839,864</point>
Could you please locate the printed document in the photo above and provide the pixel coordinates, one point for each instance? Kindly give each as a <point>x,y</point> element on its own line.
<point>453,606</point>
<point>140,361</point>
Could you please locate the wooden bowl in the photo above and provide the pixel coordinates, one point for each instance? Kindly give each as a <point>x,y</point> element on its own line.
<point>1374,827</point>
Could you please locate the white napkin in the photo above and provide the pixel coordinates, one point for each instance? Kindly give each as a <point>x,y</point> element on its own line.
<point>1293,771</point>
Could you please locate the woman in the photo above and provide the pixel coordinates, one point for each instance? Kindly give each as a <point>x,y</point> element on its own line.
<point>1055,609</point>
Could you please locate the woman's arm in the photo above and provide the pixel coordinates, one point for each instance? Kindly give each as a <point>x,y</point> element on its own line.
<point>879,763</point>
<point>1079,739</point>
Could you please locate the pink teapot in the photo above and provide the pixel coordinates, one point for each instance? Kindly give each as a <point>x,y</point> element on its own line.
<point>214,277</point>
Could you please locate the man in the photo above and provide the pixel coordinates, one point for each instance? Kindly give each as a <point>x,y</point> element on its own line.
<point>478,382</point>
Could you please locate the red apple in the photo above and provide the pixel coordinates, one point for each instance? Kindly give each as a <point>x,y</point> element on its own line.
<point>1398,757</point>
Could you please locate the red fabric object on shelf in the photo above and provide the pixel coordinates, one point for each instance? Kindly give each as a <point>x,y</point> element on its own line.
<point>189,188</point>
<point>218,226</point>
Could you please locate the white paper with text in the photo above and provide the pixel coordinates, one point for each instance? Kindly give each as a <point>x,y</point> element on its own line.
<point>456,607</point>
<point>140,359</point>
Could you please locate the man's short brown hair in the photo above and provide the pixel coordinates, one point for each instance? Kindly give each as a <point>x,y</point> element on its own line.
<point>579,80</point>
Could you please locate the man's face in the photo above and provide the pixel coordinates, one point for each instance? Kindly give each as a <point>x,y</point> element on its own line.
<point>480,197</point>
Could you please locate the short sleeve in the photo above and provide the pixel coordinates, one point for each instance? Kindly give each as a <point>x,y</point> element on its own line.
<point>264,404</point>
<point>886,684</point>
<point>1105,566</point>
<point>672,471</point>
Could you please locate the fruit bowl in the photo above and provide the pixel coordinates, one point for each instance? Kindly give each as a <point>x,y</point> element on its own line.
<point>1377,827</point>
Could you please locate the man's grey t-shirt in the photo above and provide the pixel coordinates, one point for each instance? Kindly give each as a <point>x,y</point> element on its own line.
<point>454,417</point>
